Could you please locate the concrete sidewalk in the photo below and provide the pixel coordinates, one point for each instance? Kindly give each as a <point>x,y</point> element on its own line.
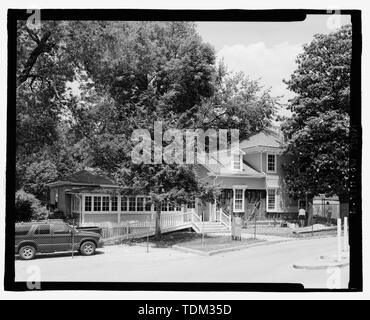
<point>324,262</point>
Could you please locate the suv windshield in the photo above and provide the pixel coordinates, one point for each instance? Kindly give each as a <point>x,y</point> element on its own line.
<point>59,228</point>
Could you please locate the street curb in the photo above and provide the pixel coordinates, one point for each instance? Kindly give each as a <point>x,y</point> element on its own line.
<point>188,250</point>
<point>314,231</point>
<point>225,250</point>
<point>321,267</point>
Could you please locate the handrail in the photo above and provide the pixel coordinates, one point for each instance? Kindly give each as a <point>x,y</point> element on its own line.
<point>195,217</point>
<point>225,218</point>
<point>174,219</point>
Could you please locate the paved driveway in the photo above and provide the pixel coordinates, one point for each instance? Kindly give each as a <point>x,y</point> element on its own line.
<point>270,263</point>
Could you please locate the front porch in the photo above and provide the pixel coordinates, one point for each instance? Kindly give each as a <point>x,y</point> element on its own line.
<point>89,208</point>
<point>116,209</point>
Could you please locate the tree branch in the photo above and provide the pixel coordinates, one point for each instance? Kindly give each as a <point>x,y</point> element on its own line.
<point>42,47</point>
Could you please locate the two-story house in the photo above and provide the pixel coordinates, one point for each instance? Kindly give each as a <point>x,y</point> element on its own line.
<point>250,179</point>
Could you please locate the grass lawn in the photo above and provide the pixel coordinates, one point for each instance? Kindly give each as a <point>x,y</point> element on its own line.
<point>192,240</point>
<point>211,243</point>
<point>166,240</point>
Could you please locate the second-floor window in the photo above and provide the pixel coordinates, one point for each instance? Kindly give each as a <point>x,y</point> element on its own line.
<point>271,163</point>
<point>237,163</point>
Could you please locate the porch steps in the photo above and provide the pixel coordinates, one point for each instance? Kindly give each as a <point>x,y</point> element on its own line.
<point>210,227</point>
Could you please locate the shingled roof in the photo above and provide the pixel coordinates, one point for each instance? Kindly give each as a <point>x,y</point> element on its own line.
<point>269,138</point>
<point>85,177</point>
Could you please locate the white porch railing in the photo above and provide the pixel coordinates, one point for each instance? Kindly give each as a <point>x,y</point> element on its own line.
<point>172,220</point>
<point>225,219</point>
<point>169,222</point>
<point>129,230</point>
<point>138,229</point>
<point>195,217</point>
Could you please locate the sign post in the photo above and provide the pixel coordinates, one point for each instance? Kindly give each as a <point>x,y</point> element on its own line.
<point>147,234</point>
<point>202,228</point>
<point>339,240</point>
<point>345,235</point>
<point>73,237</point>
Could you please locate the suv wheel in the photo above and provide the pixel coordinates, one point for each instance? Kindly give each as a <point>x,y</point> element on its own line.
<point>27,252</point>
<point>88,248</point>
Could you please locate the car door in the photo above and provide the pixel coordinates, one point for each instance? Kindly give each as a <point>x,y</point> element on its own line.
<point>43,238</point>
<point>62,237</point>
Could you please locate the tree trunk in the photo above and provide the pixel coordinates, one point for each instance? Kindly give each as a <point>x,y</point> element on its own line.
<point>158,219</point>
<point>343,205</point>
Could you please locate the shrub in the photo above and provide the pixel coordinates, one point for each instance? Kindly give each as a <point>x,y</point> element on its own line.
<point>28,207</point>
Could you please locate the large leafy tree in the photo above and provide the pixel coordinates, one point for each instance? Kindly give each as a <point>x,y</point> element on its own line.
<point>46,147</point>
<point>154,71</point>
<point>85,86</point>
<point>238,103</point>
<point>318,131</point>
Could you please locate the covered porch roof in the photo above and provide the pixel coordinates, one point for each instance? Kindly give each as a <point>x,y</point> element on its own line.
<point>96,190</point>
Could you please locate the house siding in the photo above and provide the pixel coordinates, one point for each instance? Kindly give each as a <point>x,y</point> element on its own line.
<point>254,160</point>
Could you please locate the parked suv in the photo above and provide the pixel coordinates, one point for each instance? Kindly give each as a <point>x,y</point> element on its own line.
<point>53,236</point>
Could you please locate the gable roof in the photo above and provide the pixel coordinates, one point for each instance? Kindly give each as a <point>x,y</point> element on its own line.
<point>221,165</point>
<point>271,138</point>
<point>85,177</point>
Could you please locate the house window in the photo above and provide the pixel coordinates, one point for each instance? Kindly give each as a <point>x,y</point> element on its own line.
<point>140,204</point>
<point>97,203</point>
<point>114,203</point>
<point>271,163</point>
<point>237,163</point>
<point>148,205</point>
<point>191,204</point>
<point>171,207</point>
<point>271,199</point>
<point>164,206</point>
<point>105,204</point>
<point>88,203</point>
<point>238,200</point>
<point>178,207</point>
<point>132,204</point>
<point>124,204</point>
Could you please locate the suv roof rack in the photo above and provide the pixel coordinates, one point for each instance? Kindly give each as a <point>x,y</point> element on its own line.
<point>41,221</point>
